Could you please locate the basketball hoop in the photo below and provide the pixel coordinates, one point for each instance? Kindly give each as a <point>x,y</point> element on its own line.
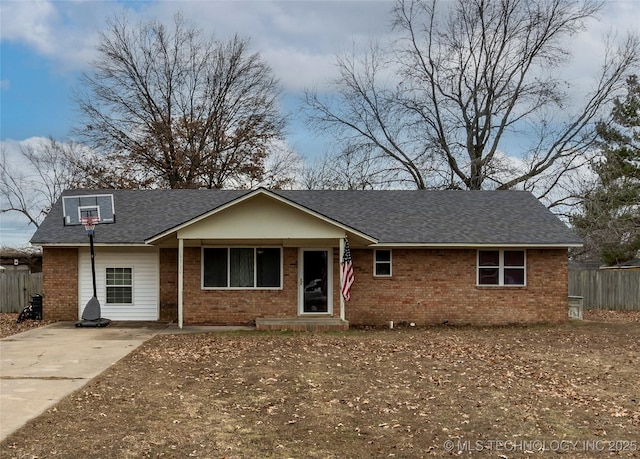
<point>89,224</point>
<point>91,314</point>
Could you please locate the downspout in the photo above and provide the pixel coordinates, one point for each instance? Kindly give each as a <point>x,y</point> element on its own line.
<point>180,279</point>
<point>341,255</point>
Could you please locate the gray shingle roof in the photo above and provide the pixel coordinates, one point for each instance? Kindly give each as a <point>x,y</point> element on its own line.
<point>402,216</point>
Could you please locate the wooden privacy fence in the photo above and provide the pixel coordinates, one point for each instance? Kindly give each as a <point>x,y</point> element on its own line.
<point>606,289</point>
<point>16,289</point>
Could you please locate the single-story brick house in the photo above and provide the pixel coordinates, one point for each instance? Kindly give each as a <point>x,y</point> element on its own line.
<point>246,257</point>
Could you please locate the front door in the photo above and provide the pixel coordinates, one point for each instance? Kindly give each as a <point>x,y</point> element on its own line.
<point>315,281</point>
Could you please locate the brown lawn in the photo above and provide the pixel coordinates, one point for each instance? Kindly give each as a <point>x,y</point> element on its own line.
<point>442,391</point>
<point>9,325</point>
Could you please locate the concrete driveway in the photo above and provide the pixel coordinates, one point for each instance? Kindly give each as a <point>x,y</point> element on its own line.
<point>39,367</point>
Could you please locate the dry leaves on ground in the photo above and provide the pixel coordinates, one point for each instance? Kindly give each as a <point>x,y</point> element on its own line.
<point>386,393</point>
<point>601,315</point>
<point>9,326</point>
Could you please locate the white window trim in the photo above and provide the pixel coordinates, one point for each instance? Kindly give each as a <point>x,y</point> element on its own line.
<point>501,267</point>
<point>255,271</point>
<point>106,286</point>
<point>376,263</point>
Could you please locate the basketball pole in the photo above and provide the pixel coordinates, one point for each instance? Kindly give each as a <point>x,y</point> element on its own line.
<point>93,265</point>
<point>91,316</point>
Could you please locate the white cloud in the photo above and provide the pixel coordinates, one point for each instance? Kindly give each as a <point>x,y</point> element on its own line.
<point>11,148</point>
<point>14,231</point>
<point>302,37</point>
<point>65,33</point>
<point>297,69</point>
<point>30,22</point>
<point>589,47</point>
<point>299,39</point>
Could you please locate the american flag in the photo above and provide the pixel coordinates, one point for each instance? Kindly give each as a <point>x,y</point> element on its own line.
<point>347,271</point>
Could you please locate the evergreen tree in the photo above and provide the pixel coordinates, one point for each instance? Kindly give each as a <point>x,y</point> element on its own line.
<point>610,223</point>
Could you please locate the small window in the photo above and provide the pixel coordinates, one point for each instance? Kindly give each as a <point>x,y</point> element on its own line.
<point>119,286</point>
<point>501,267</point>
<point>242,267</point>
<point>382,263</point>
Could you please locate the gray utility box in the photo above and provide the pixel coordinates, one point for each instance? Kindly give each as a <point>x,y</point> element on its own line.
<point>575,307</point>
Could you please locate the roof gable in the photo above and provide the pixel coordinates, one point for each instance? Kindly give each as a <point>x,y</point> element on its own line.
<point>257,215</point>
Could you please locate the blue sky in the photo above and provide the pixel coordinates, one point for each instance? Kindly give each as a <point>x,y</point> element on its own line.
<point>46,44</point>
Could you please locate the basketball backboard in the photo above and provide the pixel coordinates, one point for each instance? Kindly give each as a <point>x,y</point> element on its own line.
<point>74,208</point>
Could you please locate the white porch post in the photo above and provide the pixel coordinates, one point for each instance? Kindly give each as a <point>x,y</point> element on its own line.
<point>180,279</point>
<point>341,255</point>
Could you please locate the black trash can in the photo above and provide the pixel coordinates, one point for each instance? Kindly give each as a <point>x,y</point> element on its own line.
<point>36,305</point>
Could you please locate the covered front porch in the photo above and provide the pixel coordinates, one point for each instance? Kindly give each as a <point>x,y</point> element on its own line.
<point>261,260</point>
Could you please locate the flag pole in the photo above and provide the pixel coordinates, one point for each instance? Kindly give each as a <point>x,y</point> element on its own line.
<point>342,315</point>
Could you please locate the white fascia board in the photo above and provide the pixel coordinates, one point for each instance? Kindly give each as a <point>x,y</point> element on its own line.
<point>271,195</point>
<point>471,246</point>
<point>86,244</point>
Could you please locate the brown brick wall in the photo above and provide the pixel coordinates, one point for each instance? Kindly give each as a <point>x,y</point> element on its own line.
<point>60,283</point>
<point>168,285</point>
<point>431,286</point>
<point>237,306</point>
<point>427,287</point>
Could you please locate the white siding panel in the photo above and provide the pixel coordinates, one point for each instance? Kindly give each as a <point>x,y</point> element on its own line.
<point>144,265</point>
<point>261,218</point>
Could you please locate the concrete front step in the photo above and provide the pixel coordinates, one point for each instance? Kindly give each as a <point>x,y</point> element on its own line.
<point>315,324</point>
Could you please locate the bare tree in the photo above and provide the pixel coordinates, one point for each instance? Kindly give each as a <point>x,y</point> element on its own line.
<point>353,168</point>
<point>33,179</point>
<point>282,168</point>
<point>441,100</point>
<point>114,171</point>
<point>194,112</point>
